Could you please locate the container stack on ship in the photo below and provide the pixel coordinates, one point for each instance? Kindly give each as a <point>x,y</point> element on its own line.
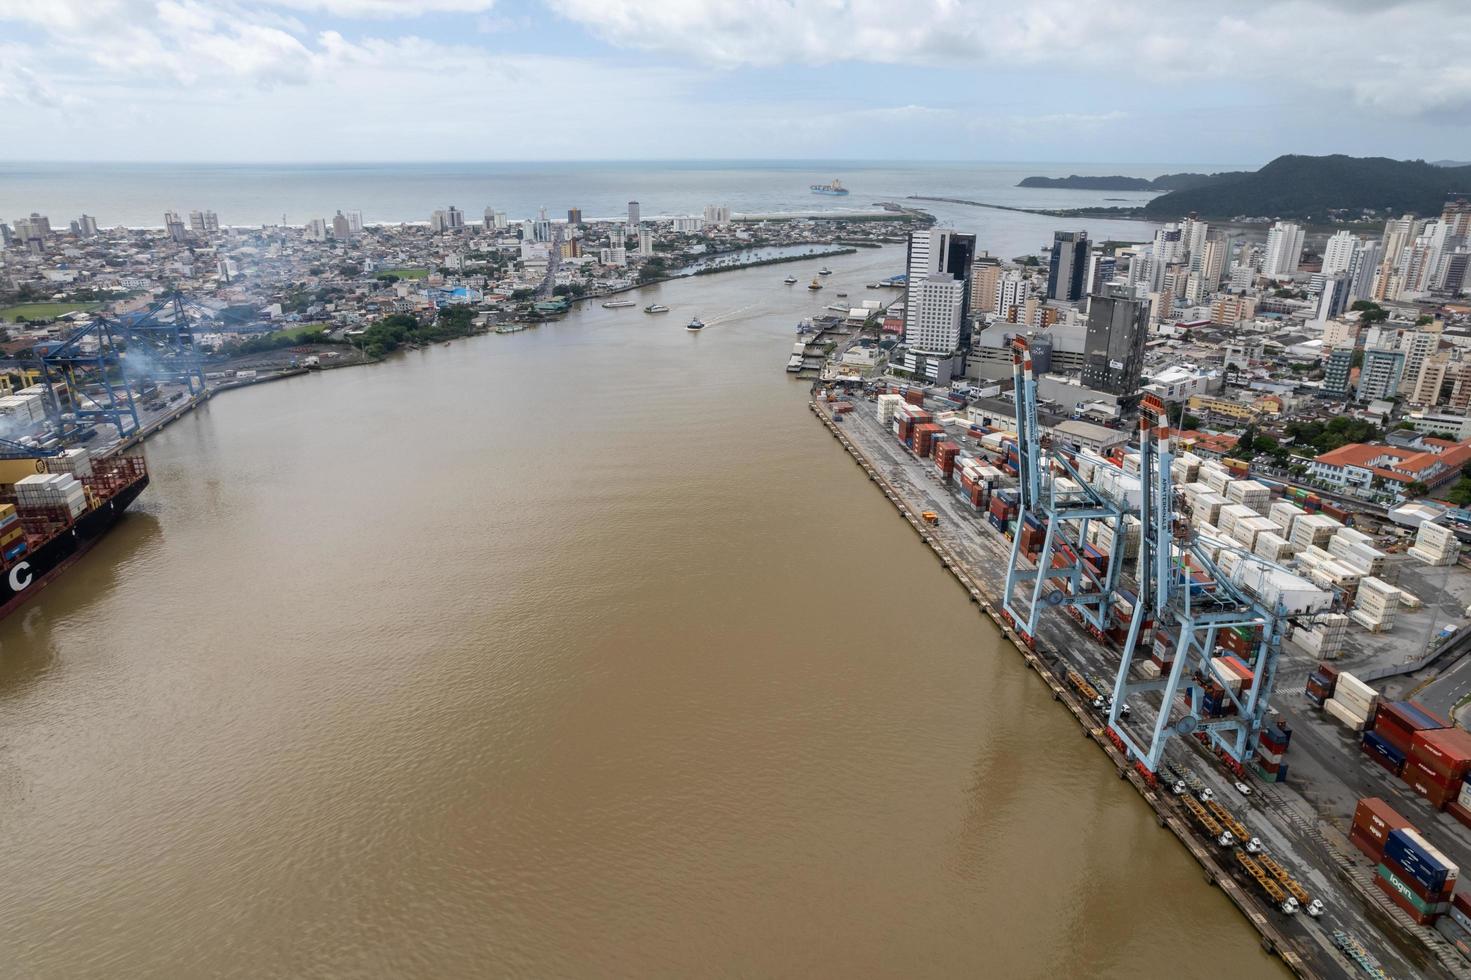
<point>53,508</point>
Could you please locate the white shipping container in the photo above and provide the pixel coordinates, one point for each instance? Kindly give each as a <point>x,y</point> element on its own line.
<point>1351,685</point>
<point>1436,537</point>
<point>1281,589</point>
<point>1272,547</point>
<point>1344,717</point>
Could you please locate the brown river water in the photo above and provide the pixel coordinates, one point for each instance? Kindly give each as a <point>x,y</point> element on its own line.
<point>580,652</point>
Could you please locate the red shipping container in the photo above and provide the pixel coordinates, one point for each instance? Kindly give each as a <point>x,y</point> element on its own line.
<point>1328,669</point>
<point>1459,812</point>
<point>1378,759</point>
<point>1392,732</point>
<point>1404,903</point>
<point>1376,819</point>
<point>1373,850</point>
<point>914,396</point>
<point>1446,751</point>
<point>1426,783</point>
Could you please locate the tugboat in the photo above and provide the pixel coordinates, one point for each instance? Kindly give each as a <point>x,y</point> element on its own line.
<point>824,271</point>
<point>656,308</point>
<point>842,295</point>
<point>695,324</point>
<point>789,280</point>
<point>814,284</point>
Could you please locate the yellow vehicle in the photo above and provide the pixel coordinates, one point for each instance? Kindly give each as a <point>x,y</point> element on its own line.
<point>930,517</point>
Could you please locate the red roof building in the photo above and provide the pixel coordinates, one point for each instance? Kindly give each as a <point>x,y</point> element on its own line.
<point>1432,461</point>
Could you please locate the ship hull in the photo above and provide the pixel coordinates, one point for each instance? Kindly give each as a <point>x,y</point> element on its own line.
<point>38,569</point>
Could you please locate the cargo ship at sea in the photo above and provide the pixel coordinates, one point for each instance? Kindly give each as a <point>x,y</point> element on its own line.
<point>835,189</point>
<point>53,509</point>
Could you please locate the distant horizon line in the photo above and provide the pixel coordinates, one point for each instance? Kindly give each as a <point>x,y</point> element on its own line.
<point>844,161</point>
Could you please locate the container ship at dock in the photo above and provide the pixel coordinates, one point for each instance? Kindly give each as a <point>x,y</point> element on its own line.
<point>53,509</point>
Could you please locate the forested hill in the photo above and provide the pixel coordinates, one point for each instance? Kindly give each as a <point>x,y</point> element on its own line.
<point>1319,188</point>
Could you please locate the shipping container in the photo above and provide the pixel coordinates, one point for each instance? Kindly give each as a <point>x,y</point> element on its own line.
<point>1383,753</point>
<point>1376,820</point>
<point>1444,751</point>
<point>1419,858</point>
<point>1405,899</point>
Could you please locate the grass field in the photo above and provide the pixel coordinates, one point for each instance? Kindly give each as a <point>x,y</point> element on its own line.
<point>295,332</point>
<point>404,273</point>
<point>43,311</point>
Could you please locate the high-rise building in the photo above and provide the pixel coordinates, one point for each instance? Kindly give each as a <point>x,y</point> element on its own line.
<point>1457,216</point>
<point>7,235</point>
<point>541,230</point>
<point>1010,296</point>
<point>574,216</point>
<point>1455,273</point>
<point>354,222</point>
<point>316,230</point>
<point>446,219</point>
<point>1336,371</point>
<point>1362,273</point>
<point>633,217</point>
<point>87,226</point>
<point>341,228</point>
<point>1215,259</point>
<point>1381,373</point>
<point>173,225</point>
<point>985,273</point>
<point>1067,266</point>
<point>1113,354</point>
<point>1284,249</point>
<point>1101,270</point>
<point>1334,298</point>
<point>204,223</point>
<point>717,214</point>
<point>645,241</point>
<point>1425,388</point>
<point>1340,252</point>
<point>939,302</point>
<point>934,251</point>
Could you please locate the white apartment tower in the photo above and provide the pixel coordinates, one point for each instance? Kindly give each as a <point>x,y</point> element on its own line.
<point>1284,249</point>
<point>937,302</point>
<point>1339,253</point>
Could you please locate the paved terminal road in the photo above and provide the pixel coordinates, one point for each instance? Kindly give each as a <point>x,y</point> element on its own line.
<point>1449,689</point>
<point>1303,824</point>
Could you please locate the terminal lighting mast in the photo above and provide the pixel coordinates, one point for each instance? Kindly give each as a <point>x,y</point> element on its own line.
<point>1188,614</point>
<point>1053,493</point>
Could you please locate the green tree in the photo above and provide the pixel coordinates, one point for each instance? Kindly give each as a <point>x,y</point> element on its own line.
<point>1416,489</point>
<point>1190,422</point>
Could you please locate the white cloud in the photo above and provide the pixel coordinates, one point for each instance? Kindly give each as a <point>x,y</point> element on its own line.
<point>1401,54</point>
<point>387,8</point>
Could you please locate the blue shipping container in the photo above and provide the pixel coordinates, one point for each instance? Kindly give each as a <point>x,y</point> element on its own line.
<point>1414,711</point>
<point>1425,869</point>
<point>1379,744</point>
<point>16,549</point>
<point>996,522</point>
<point>1032,521</point>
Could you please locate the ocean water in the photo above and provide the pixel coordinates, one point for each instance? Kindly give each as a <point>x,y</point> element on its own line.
<point>253,194</point>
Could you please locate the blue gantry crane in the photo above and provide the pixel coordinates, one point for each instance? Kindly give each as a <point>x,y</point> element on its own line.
<point>1186,599</point>
<point>87,367</point>
<point>1065,505</point>
<point>160,344</point>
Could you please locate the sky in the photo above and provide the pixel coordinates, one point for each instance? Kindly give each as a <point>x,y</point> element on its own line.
<point>972,80</point>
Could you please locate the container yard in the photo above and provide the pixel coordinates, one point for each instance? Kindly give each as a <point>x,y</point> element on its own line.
<point>1319,750</point>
